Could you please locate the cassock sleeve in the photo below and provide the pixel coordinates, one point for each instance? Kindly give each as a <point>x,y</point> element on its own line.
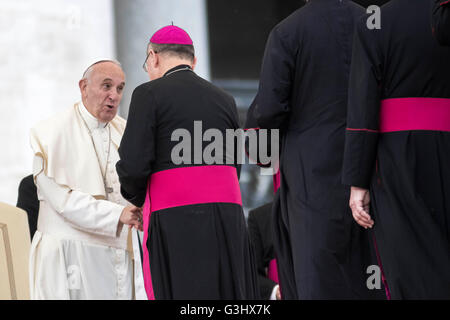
<point>272,105</point>
<point>81,210</point>
<point>137,148</point>
<point>250,121</point>
<point>236,125</point>
<point>252,129</point>
<point>441,21</point>
<point>363,108</point>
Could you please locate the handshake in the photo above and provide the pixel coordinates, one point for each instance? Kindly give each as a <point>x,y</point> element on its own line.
<point>132,216</point>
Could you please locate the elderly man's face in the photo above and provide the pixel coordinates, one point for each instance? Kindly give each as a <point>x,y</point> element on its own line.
<point>102,90</point>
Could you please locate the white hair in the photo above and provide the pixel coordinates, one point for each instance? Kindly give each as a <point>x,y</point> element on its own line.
<point>87,73</point>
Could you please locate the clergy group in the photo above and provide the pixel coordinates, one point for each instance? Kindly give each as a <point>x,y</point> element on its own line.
<point>363,116</point>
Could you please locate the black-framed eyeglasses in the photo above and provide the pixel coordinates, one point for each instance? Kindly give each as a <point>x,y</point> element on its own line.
<point>144,66</point>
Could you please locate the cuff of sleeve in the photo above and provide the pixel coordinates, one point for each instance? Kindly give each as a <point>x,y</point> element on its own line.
<point>355,182</point>
<point>137,200</point>
<point>117,212</point>
<point>113,227</point>
<point>359,158</point>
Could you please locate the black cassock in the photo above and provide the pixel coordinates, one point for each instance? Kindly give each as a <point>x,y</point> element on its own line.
<point>321,252</point>
<point>260,231</point>
<point>398,145</point>
<point>441,21</point>
<point>198,245</point>
<point>28,201</point>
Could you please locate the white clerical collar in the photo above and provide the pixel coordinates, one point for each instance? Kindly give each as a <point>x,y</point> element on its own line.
<point>91,121</point>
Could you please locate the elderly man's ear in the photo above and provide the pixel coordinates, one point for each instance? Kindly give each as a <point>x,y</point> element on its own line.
<point>154,60</point>
<point>82,84</point>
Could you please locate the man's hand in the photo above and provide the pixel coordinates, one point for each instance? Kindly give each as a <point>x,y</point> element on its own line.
<point>360,205</point>
<point>278,294</point>
<point>132,216</point>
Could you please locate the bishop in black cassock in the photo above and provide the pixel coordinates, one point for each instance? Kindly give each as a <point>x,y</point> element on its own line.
<point>321,252</point>
<point>196,244</point>
<point>397,146</point>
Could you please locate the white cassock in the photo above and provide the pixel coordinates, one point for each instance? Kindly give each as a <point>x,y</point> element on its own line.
<point>80,249</point>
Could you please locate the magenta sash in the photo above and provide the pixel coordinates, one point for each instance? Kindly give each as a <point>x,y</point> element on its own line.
<point>146,261</point>
<point>407,114</point>
<point>272,271</point>
<point>276,181</point>
<point>182,187</point>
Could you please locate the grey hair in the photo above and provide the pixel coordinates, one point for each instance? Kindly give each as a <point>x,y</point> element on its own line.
<point>183,51</point>
<point>87,73</point>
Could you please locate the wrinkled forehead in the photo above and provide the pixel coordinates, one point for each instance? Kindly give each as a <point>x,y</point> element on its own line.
<point>107,71</point>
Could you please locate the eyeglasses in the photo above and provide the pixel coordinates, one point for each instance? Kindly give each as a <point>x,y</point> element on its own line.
<point>144,66</point>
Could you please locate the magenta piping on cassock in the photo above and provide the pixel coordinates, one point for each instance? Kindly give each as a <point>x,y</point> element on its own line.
<point>272,271</point>
<point>182,187</point>
<point>366,130</point>
<point>383,278</point>
<point>408,114</point>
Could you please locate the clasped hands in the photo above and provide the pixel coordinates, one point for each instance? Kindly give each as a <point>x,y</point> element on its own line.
<point>132,216</point>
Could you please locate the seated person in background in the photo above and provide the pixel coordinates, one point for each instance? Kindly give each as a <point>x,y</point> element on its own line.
<point>260,231</point>
<point>28,201</point>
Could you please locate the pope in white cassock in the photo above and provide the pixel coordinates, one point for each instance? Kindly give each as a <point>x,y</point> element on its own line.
<point>84,245</point>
